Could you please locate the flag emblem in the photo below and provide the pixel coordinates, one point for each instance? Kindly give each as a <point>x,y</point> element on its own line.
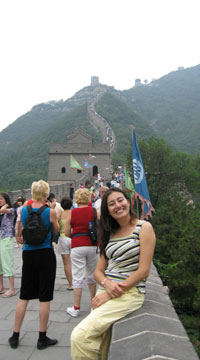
<point>138,171</point>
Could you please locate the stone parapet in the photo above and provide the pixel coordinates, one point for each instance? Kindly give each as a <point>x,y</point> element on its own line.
<point>59,190</point>
<point>153,332</point>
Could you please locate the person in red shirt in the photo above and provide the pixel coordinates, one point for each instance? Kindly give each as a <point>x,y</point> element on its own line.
<point>83,252</point>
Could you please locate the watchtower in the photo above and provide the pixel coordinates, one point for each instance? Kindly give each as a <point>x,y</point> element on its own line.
<point>80,146</point>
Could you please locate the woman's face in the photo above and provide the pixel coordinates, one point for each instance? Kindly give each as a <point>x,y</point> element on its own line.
<point>118,205</point>
<point>19,203</point>
<point>2,201</point>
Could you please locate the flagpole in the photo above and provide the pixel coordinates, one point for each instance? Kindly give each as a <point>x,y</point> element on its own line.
<point>137,207</point>
<point>133,129</point>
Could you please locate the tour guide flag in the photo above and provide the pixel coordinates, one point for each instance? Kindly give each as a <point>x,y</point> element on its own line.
<point>74,163</point>
<point>128,183</point>
<point>141,189</point>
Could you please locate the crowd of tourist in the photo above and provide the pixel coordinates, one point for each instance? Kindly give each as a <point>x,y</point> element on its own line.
<point>118,263</point>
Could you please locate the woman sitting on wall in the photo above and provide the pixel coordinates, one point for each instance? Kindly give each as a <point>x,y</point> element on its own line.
<point>126,248</point>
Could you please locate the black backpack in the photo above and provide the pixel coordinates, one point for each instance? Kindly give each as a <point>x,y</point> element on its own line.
<point>93,226</point>
<point>35,231</point>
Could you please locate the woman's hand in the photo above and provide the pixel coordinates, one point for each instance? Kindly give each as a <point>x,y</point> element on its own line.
<point>3,208</point>
<point>114,289</point>
<point>20,240</point>
<point>100,299</point>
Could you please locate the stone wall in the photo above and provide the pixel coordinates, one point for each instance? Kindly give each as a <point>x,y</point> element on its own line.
<point>153,332</point>
<point>59,190</point>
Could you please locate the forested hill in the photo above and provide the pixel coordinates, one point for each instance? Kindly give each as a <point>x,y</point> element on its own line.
<point>171,106</point>
<point>168,107</point>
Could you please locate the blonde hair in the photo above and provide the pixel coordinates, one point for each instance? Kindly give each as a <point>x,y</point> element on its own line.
<point>82,196</point>
<point>104,188</point>
<point>40,190</point>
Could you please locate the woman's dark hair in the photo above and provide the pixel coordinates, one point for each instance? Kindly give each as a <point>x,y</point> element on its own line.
<point>21,199</point>
<point>108,225</point>
<point>66,203</point>
<point>7,199</point>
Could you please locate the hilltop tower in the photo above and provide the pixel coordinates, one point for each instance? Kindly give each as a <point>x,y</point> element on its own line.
<point>137,82</point>
<point>94,80</point>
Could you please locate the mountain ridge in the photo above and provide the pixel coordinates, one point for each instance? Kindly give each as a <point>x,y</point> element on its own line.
<point>160,108</point>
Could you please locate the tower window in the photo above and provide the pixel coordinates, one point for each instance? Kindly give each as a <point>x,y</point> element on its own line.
<point>63,170</point>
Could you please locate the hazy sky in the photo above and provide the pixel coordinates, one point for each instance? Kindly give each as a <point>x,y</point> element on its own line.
<point>51,48</point>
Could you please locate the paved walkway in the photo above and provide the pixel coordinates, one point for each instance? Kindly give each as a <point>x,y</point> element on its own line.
<point>60,323</point>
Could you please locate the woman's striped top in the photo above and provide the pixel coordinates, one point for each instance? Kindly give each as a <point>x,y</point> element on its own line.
<point>123,257</point>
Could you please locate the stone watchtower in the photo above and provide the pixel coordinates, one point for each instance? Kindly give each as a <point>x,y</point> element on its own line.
<point>94,80</point>
<point>80,146</point>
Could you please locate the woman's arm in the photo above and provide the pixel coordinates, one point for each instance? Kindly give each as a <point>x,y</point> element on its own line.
<point>147,245</point>
<point>18,235</point>
<point>112,287</point>
<point>100,268</point>
<point>54,221</point>
<point>99,277</point>
<point>68,225</point>
<point>18,227</point>
<point>98,214</point>
<point>4,210</point>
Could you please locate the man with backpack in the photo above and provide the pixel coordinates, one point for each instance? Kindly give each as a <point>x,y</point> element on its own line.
<point>39,262</point>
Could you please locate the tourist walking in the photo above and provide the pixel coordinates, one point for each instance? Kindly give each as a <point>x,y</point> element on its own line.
<point>18,208</point>
<point>7,214</point>
<point>64,242</point>
<point>71,191</point>
<point>126,251</point>
<point>97,204</point>
<point>53,204</point>
<point>83,252</point>
<point>38,269</point>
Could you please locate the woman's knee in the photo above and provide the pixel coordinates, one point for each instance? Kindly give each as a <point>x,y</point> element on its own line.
<point>77,335</point>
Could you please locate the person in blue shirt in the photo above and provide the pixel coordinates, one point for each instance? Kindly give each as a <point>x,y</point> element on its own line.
<point>38,269</point>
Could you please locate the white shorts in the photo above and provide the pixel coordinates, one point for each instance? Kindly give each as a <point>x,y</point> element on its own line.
<point>64,245</point>
<point>84,261</point>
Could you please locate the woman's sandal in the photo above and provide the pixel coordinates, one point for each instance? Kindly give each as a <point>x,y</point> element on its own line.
<point>2,291</point>
<point>8,294</point>
<point>70,287</point>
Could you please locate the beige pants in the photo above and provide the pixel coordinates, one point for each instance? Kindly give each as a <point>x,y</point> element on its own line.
<point>90,339</point>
